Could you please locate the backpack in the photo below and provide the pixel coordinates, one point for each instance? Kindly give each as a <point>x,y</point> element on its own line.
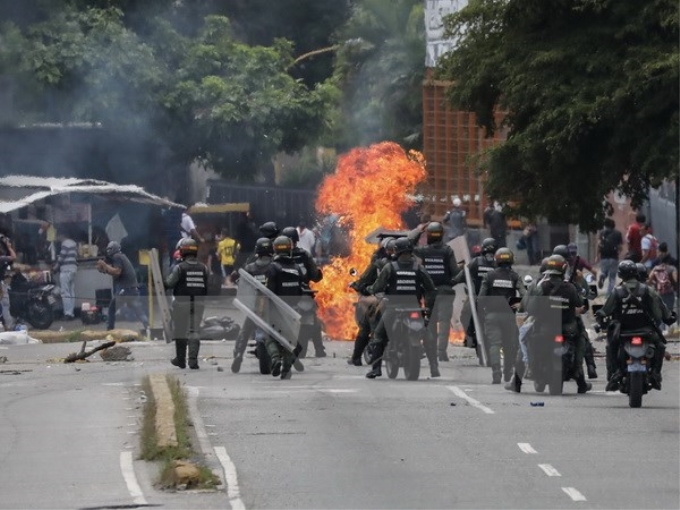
<point>662,280</point>
<point>607,246</point>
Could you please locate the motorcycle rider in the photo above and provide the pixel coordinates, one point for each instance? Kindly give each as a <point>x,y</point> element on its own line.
<point>440,263</point>
<point>479,266</point>
<point>312,273</point>
<point>367,304</point>
<point>403,277</point>
<point>563,297</point>
<point>285,278</point>
<point>189,283</point>
<point>500,326</point>
<point>263,252</point>
<point>635,308</point>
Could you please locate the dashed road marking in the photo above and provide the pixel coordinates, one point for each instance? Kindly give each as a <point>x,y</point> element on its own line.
<point>233,490</point>
<point>526,448</point>
<point>474,403</point>
<point>549,470</point>
<point>127,467</point>
<point>574,494</point>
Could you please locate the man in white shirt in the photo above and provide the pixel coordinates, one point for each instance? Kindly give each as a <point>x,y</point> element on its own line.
<point>648,243</point>
<point>187,228</point>
<point>307,238</point>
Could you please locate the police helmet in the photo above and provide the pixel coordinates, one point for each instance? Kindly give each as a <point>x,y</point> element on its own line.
<point>292,233</point>
<point>561,249</point>
<point>434,232</point>
<point>627,270</point>
<point>385,242</point>
<point>112,248</point>
<point>504,257</point>
<point>402,245</point>
<point>188,247</point>
<point>489,246</point>
<point>389,247</point>
<point>544,265</point>
<point>556,264</point>
<point>528,280</point>
<point>283,246</point>
<point>641,272</point>
<point>263,246</point>
<point>269,230</point>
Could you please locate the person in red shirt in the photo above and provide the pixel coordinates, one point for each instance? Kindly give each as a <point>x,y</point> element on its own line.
<point>634,238</point>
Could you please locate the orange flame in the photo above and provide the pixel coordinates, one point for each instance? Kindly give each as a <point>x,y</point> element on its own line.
<point>368,190</point>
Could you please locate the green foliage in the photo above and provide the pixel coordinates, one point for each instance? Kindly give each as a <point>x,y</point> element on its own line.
<point>591,94</point>
<point>380,69</point>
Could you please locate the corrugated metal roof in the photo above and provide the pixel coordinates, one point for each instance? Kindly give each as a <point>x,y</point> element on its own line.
<point>39,188</point>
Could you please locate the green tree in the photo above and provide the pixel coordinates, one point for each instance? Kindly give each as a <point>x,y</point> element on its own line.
<point>380,70</point>
<point>590,94</point>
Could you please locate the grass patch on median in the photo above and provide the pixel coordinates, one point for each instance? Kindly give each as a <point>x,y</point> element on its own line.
<point>180,467</point>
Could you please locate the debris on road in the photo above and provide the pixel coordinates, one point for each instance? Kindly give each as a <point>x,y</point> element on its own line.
<point>117,353</point>
<point>537,404</point>
<point>83,354</point>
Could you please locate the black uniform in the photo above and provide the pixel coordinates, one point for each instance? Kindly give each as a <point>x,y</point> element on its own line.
<point>311,273</point>
<point>500,326</point>
<point>189,281</point>
<point>286,279</point>
<point>440,263</point>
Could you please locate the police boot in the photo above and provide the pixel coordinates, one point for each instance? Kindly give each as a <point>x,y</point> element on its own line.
<point>194,346</point>
<point>589,357</point>
<point>655,377</point>
<point>376,351</point>
<point>236,364</point>
<point>296,360</point>
<point>515,384</point>
<point>286,369</point>
<point>180,359</point>
<point>319,349</point>
<point>582,385</point>
<point>376,371</point>
<point>496,373</point>
<point>431,352</point>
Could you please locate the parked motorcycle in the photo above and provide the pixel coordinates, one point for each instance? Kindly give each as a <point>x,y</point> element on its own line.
<point>32,302</point>
<point>406,330</point>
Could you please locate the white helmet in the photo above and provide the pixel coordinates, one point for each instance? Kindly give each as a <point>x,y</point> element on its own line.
<point>457,202</point>
<point>528,280</point>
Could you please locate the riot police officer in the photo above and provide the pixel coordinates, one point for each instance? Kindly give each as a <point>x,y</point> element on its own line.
<point>500,326</point>
<point>258,268</point>
<point>402,277</point>
<point>367,308</point>
<point>189,282</point>
<point>285,278</point>
<point>440,263</point>
<point>312,273</point>
<point>563,298</point>
<point>634,306</point>
<point>479,266</point>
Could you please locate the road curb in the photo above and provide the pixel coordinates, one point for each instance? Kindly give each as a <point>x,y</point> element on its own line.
<point>166,431</point>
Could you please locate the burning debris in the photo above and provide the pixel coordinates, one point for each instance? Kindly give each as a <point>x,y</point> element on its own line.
<point>370,189</point>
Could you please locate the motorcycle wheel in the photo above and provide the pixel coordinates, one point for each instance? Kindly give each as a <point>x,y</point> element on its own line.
<point>40,315</point>
<point>412,363</point>
<point>637,382</point>
<point>264,359</point>
<point>539,386</point>
<point>391,359</point>
<point>367,355</point>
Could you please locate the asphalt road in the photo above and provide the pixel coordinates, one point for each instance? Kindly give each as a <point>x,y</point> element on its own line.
<point>329,438</point>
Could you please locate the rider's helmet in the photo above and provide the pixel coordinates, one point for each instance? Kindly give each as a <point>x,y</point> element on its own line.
<point>283,246</point>
<point>269,230</point>
<point>504,257</point>
<point>402,245</point>
<point>263,246</point>
<point>292,233</point>
<point>544,265</point>
<point>562,250</point>
<point>642,272</point>
<point>489,246</point>
<point>188,247</point>
<point>434,231</point>
<point>555,264</point>
<point>112,248</point>
<point>627,270</point>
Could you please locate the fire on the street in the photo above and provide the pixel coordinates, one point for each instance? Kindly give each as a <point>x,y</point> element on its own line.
<point>369,189</point>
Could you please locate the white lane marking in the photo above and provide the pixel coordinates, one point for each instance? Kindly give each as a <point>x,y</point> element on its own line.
<point>128,469</point>
<point>574,494</point>
<point>233,490</point>
<point>338,391</point>
<point>474,403</point>
<point>526,448</point>
<point>549,470</point>
<point>113,384</point>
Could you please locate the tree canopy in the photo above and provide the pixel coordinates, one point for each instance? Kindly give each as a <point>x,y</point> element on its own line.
<point>589,93</point>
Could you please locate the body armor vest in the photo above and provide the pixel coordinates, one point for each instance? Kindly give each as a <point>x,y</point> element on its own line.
<point>501,283</point>
<point>289,278</point>
<point>258,270</point>
<point>403,280</point>
<point>436,263</point>
<point>632,313</point>
<point>484,266</point>
<point>193,279</point>
<point>558,297</point>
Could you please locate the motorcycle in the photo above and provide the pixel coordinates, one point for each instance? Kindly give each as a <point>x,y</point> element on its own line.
<point>640,354</point>
<point>551,361</point>
<point>32,302</point>
<point>406,330</point>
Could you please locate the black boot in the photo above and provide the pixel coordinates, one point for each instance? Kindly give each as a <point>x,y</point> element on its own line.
<point>276,368</point>
<point>236,364</point>
<point>496,374</point>
<point>515,384</point>
<point>582,385</point>
<point>443,356</point>
<point>589,357</point>
<point>180,359</point>
<point>376,371</point>
<point>431,353</point>
<point>286,369</point>
<point>592,372</point>
<point>194,346</point>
